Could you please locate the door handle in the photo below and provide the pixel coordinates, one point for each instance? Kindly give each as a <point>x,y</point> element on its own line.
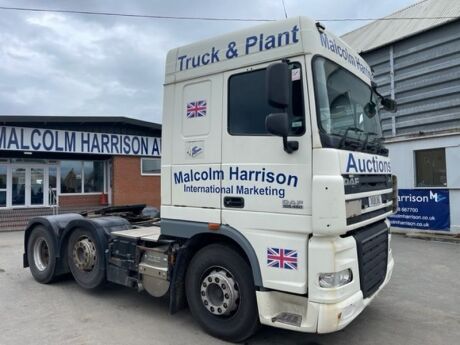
<point>233,202</point>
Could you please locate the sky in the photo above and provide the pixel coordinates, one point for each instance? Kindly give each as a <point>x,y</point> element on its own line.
<point>74,64</point>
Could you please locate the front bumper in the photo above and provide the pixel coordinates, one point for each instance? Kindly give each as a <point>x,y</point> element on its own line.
<point>313,317</point>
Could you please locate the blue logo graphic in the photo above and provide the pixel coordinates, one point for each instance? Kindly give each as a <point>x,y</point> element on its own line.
<point>437,197</point>
<point>195,151</point>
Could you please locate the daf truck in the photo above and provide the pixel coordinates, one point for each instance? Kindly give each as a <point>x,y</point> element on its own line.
<point>275,190</point>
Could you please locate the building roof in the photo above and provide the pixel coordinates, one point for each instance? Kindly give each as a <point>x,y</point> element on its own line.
<point>86,120</point>
<point>382,32</point>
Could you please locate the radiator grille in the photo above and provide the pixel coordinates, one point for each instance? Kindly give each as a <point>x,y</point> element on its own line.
<point>372,245</point>
<point>366,183</point>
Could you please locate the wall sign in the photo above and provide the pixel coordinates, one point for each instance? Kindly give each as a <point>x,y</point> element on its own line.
<point>52,140</point>
<point>425,209</point>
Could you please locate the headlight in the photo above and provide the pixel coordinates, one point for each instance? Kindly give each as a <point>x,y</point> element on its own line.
<point>335,279</point>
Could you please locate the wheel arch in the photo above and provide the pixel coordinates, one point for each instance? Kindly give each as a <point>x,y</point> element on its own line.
<point>238,243</point>
<point>100,227</point>
<point>53,224</point>
<point>194,236</point>
<point>86,224</point>
<point>33,224</point>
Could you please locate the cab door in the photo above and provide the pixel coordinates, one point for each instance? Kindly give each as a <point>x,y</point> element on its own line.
<point>266,192</point>
<point>194,139</point>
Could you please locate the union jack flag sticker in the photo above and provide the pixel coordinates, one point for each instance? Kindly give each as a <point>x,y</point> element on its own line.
<point>282,258</point>
<point>197,109</point>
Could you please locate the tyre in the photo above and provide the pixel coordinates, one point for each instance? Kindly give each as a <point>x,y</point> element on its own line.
<point>221,294</point>
<point>85,261</point>
<point>41,255</point>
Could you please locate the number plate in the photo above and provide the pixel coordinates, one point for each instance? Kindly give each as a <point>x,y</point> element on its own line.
<point>375,200</point>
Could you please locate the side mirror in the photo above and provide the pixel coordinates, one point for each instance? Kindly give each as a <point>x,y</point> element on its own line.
<point>389,104</point>
<point>370,109</point>
<point>278,124</point>
<point>277,84</point>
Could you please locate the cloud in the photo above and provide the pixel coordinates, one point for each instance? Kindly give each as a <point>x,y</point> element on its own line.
<point>68,64</point>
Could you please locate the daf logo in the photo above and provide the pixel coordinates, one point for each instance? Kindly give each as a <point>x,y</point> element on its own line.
<point>293,204</point>
<point>351,181</point>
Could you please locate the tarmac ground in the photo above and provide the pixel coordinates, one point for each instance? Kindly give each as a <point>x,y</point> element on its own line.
<point>421,305</point>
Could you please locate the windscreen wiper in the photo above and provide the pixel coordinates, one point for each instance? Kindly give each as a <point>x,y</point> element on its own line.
<point>377,145</point>
<point>345,135</point>
<point>364,145</point>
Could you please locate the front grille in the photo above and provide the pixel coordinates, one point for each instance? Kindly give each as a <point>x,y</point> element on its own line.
<point>366,183</point>
<point>372,245</point>
<point>365,216</point>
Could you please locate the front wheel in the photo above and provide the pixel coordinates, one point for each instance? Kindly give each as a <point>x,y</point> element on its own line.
<point>221,293</point>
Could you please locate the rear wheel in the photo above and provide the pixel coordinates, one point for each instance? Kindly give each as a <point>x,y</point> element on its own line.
<point>85,261</point>
<point>221,293</point>
<point>41,255</point>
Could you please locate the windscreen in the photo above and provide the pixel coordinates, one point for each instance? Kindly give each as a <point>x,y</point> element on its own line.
<point>347,109</point>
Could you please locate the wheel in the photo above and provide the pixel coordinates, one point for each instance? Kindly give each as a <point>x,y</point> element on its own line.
<point>221,294</point>
<point>41,254</point>
<point>85,261</point>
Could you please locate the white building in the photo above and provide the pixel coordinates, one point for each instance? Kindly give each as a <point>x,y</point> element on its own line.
<point>417,62</point>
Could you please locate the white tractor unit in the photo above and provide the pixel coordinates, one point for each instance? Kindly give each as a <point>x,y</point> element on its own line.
<point>275,190</point>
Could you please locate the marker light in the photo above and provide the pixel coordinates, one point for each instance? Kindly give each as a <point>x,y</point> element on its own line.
<point>335,279</point>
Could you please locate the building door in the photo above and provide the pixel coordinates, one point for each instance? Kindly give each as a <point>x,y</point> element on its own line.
<point>267,191</point>
<point>18,186</point>
<point>28,187</point>
<point>37,186</point>
<point>3,184</point>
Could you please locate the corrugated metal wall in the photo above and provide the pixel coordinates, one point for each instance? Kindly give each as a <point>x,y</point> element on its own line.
<point>423,74</point>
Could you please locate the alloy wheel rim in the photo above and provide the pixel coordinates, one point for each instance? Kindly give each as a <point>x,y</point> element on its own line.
<point>219,292</point>
<point>41,254</point>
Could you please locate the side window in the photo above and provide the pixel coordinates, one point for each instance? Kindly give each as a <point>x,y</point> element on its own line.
<point>248,105</point>
<point>71,174</point>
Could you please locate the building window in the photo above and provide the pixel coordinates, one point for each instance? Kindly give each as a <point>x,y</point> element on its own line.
<point>3,174</point>
<point>82,177</point>
<point>248,104</point>
<point>430,168</point>
<point>150,166</point>
<point>93,176</point>
<point>71,177</point>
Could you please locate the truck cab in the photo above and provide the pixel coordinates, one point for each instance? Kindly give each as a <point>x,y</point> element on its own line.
<point>312,213</point>
<point>275,189</point>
